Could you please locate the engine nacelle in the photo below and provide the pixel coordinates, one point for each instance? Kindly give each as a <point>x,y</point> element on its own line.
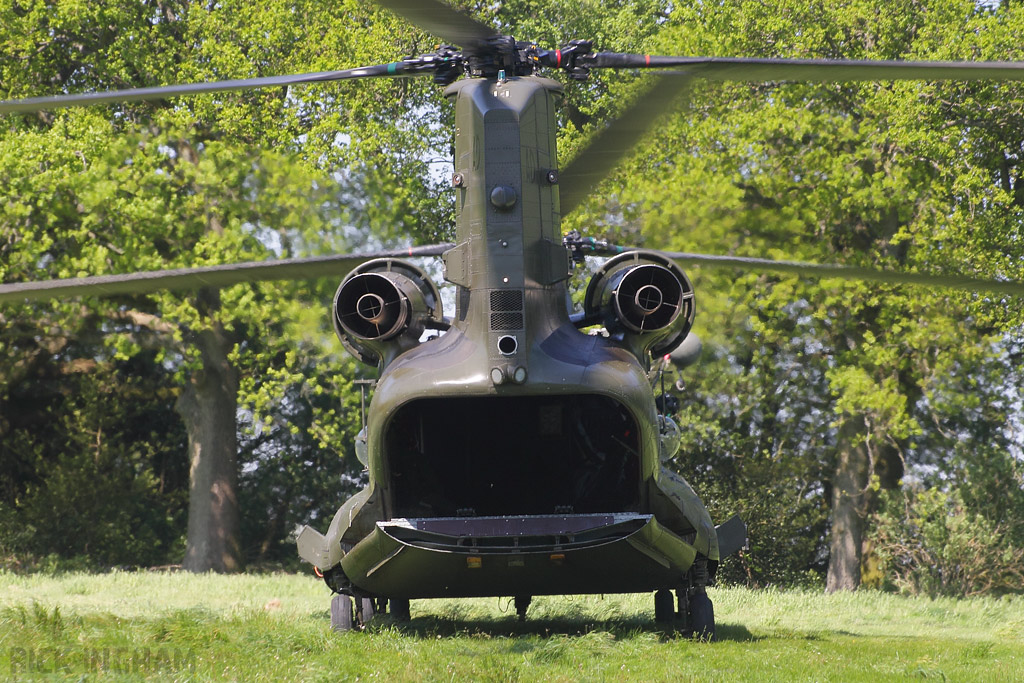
<point>382,308</point>
<point>645,298</point>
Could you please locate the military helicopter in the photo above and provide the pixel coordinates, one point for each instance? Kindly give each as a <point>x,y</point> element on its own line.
<point>510,453</point>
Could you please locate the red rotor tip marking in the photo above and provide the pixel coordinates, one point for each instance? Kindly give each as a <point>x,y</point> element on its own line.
<point>410,251</point>
<point>647,59</point>
<point>558,58</point>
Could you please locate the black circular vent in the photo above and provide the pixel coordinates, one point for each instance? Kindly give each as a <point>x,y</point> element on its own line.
<point>648,298</point>
<point>370,306</point>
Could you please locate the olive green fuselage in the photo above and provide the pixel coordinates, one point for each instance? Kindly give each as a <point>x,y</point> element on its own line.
<point>514,454</point>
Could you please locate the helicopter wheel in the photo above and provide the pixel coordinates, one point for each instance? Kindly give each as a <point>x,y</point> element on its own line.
<point>701,617</point>
<point>365,610</point>
<point>400,609</point>
<point>664,611</point>
<point>341,613</point>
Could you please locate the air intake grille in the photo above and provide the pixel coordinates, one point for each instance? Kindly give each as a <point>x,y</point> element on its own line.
<point>506,309</point>
<point>506,300</point>
<point>506,321</point>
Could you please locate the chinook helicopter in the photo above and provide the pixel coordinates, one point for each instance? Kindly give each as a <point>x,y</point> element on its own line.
<point>509,452</point>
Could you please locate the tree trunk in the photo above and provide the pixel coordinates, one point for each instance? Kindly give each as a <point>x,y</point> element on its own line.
<point>208,405</point>
<point>848,510</point>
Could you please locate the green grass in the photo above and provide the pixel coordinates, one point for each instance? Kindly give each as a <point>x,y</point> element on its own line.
<point>176,626</point>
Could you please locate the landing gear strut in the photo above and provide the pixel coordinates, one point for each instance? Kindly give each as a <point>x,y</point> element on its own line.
<point>696,613</point>
<point>522,604</point>
<point>663,608</point>
<point>341,613</point>
<point>400,609</point>
<point>343,618</point>
<point>700,615</point>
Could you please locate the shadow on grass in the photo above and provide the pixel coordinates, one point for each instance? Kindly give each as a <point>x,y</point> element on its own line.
<point>437,626</point>
<point>735,632</point>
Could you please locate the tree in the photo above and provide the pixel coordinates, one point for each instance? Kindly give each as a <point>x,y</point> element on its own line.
<point>841,172</point>
<point>815,390</point>
<point>153,186</point>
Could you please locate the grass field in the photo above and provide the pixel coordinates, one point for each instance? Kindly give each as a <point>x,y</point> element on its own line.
<point>176,626</point>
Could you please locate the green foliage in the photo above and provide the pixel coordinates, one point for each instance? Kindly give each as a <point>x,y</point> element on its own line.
<point>214,179</point>
<point>916,176</point>
<point>893,175</point>
<point>298,462</point>
<point>930,544</point>
<point>750,449</point>
<point>106,481</point>
<point>957,528</point>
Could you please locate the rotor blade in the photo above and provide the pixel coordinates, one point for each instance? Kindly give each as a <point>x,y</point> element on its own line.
<point>817,70</point>
<point>205,276</point>
<point>32,104</point>
<point>605,151</point>
<point>961,282</point>
<point>613,143</point>
<point>441,20</point>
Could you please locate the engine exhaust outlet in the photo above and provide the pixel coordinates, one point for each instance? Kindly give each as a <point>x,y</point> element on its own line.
<point>382,308</point>
<point>644,299</point>
<point>648,298</point>
<point>372,306</point>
